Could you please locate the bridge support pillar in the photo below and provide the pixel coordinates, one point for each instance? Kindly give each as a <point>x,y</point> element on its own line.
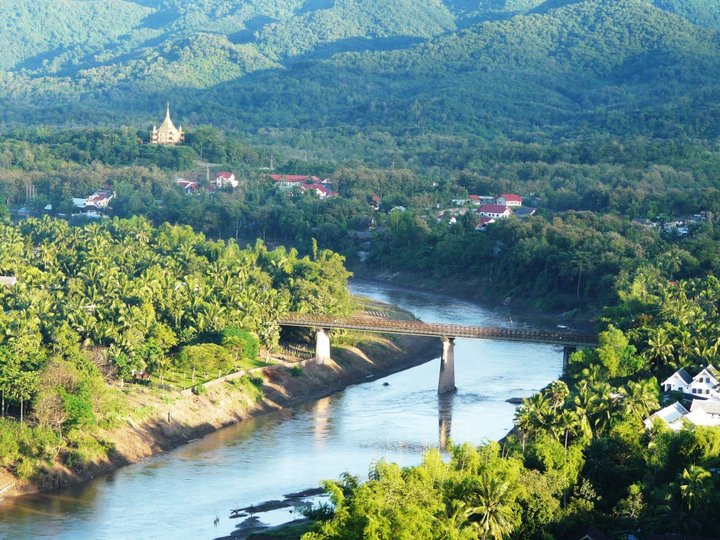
<point>322,346</point>
<point>446,383</point>
<point>567,351</point>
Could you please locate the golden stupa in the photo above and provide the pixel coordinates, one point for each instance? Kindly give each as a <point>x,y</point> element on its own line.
<point>167,133</point>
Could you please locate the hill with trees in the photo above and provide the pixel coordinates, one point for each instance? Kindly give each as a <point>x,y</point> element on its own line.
<point>332,70</point>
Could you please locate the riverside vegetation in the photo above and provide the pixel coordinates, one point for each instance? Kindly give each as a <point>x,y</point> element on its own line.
<point>579,454</point>
<point>94,305</point>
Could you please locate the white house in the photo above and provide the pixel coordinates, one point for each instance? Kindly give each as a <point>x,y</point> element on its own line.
<point>320,190</point>
<point>706,382</point>
<point>483,223</point>
<point>495,211</point>
<point>677,382</point>
<point>98,200</point>
<point>709,406</point>
<point>187,185</point>
<point>101,198</point>
<point>509,199</point>
<point>289,181</point>
<point>703,385</point>
<point>672,415</point>
<point>224,179</point>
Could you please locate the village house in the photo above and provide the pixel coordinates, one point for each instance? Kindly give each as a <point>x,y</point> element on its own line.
<point>509,199</point>
<point>286,182</point>
<point>495,211</point>
<point>703,385</point>
<point>225,179</point>
<point>672,415</point>
<point>167,133</point>
<point>319,189</point>
<point>705,406</point>
<point>188,186</point>
<point>100,199</point>
<point>676,416</point>
<point>524,212</point>
<point>97,201</point>
<point>289,181</point>
<point>483,223</point>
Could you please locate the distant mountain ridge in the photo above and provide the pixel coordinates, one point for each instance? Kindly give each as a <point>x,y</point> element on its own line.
<point>487,66</point>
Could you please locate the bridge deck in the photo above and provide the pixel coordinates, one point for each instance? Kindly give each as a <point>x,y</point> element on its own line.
<point>418,328</point>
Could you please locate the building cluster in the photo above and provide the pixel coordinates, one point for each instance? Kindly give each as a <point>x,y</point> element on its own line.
<point>488,208</point>
<point>313,184</point>
<point>223,180</point>
<point>95,204</point>
<point>703,393</point>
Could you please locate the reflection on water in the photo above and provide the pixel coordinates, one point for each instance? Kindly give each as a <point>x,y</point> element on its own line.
<point>445,405</point>
<point>179,494</point>
<point>321,418</point>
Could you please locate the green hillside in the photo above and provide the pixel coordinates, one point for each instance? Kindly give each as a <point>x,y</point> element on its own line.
<point>528,69</point>
<point>702,12</point>
<point>587,61</point>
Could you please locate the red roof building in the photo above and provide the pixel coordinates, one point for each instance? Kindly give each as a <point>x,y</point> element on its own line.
<point>497,211</point>
<point>509,199</point>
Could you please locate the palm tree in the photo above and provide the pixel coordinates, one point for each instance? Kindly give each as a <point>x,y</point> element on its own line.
<point>493,514</point>
<point>694,486</point>
<point>660,349</point>
<point>640,398</point>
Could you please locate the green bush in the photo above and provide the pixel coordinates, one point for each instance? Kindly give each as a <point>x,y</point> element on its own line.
<point>204,358</point>
<point>241,343</point>
<point>24,448</point>
<point>296,371</point>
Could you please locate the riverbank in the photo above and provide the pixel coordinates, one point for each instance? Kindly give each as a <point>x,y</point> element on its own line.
<point>163,420</point>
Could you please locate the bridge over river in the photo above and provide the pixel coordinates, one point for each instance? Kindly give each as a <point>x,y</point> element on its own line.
<point>447,332</point>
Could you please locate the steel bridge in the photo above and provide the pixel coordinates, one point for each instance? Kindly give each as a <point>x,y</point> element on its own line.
<point>570,341</point>
<point>419,328</point>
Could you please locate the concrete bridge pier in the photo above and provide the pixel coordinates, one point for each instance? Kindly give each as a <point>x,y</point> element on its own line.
<point>322,346</point>
<point>446,383</point>
<point>567,351</point>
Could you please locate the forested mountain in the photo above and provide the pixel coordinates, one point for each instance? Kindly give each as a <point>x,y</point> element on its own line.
<point>519,68</point>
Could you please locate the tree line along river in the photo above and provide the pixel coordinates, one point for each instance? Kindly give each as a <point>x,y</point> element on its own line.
<point>181,493</point>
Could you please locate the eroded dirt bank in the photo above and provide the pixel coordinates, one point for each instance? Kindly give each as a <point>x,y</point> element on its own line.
<point>165,420</point>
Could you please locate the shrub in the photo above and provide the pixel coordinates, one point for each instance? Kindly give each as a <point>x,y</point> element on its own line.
<point>296,371</point>
<point>242,343</point>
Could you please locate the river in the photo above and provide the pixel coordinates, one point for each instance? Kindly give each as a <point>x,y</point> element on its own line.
<point>180,494</point>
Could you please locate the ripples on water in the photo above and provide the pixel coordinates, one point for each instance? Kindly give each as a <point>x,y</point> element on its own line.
<point>179,494</point>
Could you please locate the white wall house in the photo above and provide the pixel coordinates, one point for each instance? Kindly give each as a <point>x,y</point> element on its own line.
<point>224,179</point>
<point>494,211</point>
<point>703,385</point>
<point>509,199</point>
<point>677,382</point>
<point>672,415</point>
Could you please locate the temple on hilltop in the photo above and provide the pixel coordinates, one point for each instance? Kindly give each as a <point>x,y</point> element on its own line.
<point>167,133</point>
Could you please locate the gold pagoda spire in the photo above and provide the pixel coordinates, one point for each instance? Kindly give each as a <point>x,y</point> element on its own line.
<point>167,133</point>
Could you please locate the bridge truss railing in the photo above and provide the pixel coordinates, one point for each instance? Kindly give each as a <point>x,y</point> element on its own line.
<point>419,328</point>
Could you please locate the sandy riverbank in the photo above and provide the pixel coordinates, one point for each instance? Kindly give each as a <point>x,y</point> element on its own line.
<point>170,419</point>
